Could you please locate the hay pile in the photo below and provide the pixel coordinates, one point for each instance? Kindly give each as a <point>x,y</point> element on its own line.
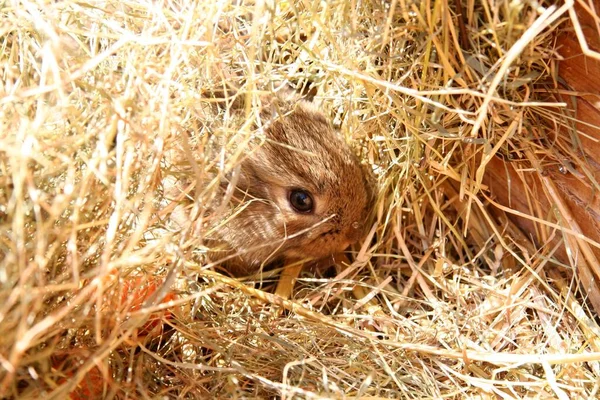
<point>98,299</point>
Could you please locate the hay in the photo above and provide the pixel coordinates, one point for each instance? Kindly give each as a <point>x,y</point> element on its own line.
<point>100,299</point>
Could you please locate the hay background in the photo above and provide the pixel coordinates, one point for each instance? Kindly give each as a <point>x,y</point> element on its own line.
<point>98,299</point>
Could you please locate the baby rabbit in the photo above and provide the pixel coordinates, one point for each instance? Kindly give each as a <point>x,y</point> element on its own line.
<point>300,194</point>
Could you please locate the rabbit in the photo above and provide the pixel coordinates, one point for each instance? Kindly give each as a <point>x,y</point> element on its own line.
<point>300,194</point>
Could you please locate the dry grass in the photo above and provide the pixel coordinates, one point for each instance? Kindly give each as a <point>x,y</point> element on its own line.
<point>97,299</point>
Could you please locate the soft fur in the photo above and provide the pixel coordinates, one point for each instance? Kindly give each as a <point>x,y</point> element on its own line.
<point>301,150</point>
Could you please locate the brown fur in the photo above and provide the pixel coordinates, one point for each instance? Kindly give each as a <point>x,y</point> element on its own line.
<point>301,151</point>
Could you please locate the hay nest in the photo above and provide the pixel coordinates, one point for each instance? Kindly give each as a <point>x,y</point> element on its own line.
<point>449,296</point>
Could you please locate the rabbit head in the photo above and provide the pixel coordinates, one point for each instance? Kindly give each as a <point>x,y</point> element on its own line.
<point>300,194</point>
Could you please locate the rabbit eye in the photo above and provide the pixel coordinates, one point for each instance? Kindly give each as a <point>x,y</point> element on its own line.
<point>301,201</point>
